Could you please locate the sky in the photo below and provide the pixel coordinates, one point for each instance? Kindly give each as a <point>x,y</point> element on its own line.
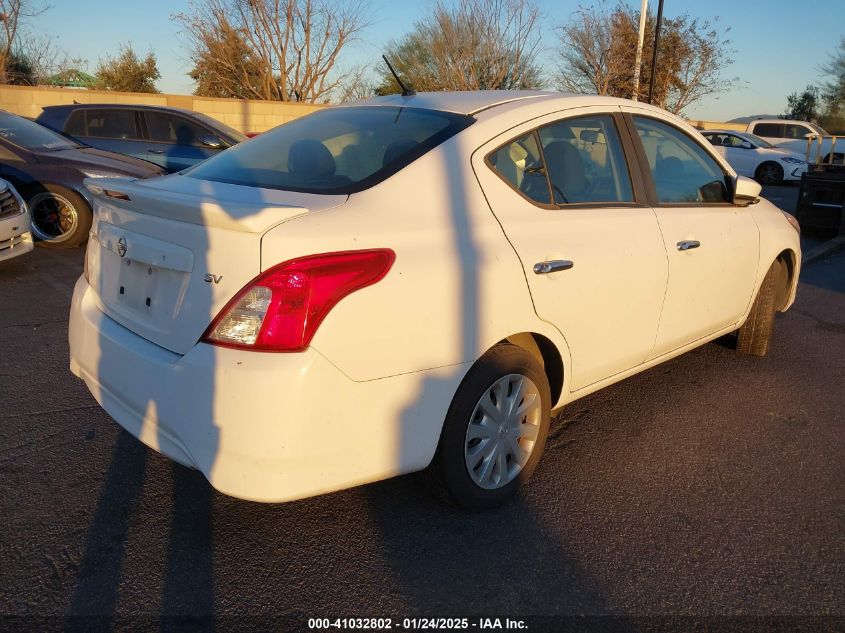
<point>779,44</point>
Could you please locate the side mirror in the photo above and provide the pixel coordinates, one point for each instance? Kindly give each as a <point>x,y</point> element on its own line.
<point>746,145</point>
<point>746,191</point>
<point>211,141</point>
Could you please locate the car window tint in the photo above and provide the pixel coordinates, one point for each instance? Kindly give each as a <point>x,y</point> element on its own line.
<point>520,163</point>
<point>585,162</point>
<point>681,169</point>
<point>169,128</point>
<point>335,150</point>
<point>796,131</point>
<point>76,124</point>
<point>772,130</point>
<point>116,124</point>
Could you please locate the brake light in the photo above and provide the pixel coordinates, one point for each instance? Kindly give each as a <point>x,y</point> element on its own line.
<point>281,309</point>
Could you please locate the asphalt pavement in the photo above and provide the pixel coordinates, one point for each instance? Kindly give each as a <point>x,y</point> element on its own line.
<point>710,486</point>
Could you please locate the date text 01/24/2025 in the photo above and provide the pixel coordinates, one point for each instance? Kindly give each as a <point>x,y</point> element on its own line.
<point>416,624</point>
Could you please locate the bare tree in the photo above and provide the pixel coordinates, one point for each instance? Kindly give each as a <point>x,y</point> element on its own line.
<point>13,16</point>
<point>598,48</point>
<point>285,50</point>
<point>469,45</point>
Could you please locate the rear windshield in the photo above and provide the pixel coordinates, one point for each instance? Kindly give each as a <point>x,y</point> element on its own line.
<point>333,151</point>
<point>30,135</point>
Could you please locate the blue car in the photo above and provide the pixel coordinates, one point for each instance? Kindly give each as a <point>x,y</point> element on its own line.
<point>172,138</point>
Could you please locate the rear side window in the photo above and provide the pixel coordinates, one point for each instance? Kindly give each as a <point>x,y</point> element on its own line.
<point>336,150</point>
<point>573,161</point>
<point>680,168</point>
<point>114,124</point>
<point>772,130</point>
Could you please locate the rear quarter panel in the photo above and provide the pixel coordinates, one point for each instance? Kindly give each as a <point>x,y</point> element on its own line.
<point>455,290</point>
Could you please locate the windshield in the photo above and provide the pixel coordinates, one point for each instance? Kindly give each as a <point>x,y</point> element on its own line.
<point>30,135</point>
<point>333,151</point>
<point>756,140</point>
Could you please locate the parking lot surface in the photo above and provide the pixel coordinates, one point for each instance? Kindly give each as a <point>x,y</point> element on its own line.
<point>711,485</point>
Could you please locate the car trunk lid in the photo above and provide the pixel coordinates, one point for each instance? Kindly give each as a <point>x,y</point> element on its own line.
<point>166,255</point>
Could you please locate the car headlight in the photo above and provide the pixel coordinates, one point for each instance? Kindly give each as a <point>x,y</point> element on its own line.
<point>792,161</point>
<point>101,174</point>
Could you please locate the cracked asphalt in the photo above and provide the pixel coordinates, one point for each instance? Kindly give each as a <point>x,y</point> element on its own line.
<point>711,485</point>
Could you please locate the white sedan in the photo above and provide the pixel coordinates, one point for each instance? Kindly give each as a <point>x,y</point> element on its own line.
<point>416,282</point>
<point>15,236</point>
<point>755,157</point>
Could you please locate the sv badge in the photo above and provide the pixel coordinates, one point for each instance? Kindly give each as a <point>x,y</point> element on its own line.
<point>209,278</point>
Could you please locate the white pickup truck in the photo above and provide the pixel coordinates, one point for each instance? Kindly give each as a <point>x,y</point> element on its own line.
<point>793,136</point>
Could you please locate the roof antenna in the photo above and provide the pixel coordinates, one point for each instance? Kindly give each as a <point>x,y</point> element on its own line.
<point>406,92</point>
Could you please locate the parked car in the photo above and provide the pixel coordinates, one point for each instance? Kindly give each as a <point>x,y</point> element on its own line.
<point>48,170</point>
<point>793,135</point>
<point>171,138</point>
<point>756,158</point>
<point>15,237</point>
<point>415,283</point>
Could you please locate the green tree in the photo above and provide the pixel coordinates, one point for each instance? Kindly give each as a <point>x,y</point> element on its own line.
<point>803,106</point>
<point>127,72</point>
<point>833,91</point>
<point>468,45</point>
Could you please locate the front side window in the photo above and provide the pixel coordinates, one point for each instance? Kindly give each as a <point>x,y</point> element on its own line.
<point>169,128</point>
<point>114,124</point>
<point>682,171</point>
<point>796,131</point>
<point>334,151</point>
<point>573,161</point>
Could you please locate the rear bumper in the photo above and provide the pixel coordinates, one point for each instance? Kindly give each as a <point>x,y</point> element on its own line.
<point>259,426</point>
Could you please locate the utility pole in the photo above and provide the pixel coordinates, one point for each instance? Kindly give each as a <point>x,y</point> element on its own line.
<point>654,54</point>
<point>639,61</point>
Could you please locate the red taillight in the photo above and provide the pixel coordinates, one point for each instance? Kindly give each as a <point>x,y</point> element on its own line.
<point>281,309</point>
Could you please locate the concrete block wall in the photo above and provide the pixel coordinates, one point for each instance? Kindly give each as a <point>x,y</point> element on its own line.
<point>242,114</point>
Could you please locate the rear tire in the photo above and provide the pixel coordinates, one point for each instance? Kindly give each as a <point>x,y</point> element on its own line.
<point>495,430</point>
<point>754,335</point>
<point>769,173</point>
<point>59,217</point>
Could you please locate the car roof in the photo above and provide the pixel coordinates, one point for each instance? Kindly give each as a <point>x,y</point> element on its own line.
<point>114,106</point>
<point>737,132</point>
<point>459,102</point>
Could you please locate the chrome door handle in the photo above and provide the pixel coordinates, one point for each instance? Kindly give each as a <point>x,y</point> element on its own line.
<point>688,244</point>
<point>155,151</point>
<point>543,268</point>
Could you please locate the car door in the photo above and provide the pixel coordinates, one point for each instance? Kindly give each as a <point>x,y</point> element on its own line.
<point>712,245</point>
<point>176,143</point>
<point>589,244</point>
<point>113,130</point>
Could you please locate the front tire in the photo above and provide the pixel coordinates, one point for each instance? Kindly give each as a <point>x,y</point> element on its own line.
<point>754,335</point>
<point>769,173</point>
<point>495,430</point>
<point>60,218</point>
